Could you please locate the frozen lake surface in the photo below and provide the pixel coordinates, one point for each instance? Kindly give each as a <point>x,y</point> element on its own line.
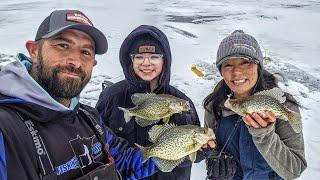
<point>287,30</point>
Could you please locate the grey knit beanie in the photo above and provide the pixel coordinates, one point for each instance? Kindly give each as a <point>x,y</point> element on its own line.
<point>239,44</point>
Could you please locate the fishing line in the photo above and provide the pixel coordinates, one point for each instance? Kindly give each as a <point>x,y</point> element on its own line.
<point>230,136</point>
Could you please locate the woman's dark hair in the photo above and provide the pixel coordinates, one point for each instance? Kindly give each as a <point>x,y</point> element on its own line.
<point>266,80</point>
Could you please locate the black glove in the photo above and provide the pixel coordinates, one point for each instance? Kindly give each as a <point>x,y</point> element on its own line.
<point>223,167</point>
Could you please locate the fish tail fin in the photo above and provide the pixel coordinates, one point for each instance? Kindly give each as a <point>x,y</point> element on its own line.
<point>145,155</point>
<point>294,120</point>
<point>126,114</point>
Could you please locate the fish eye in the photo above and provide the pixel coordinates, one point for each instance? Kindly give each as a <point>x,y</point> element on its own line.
<point>204,131</point>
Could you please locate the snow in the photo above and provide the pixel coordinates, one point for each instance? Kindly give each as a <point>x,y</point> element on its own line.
<point>287,31</point>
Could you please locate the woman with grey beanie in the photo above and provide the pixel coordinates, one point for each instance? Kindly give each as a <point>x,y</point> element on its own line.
<point>263,148</point>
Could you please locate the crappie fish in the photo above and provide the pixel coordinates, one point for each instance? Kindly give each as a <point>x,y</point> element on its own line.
<point>150,108</point>
<point>271,100</point>
<point>173,143</point>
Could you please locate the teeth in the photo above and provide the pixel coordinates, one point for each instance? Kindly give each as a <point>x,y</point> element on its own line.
<point>239,81</point>
<point>147,71</point>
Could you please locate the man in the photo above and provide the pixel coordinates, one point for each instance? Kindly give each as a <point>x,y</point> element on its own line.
<point>45,133</point>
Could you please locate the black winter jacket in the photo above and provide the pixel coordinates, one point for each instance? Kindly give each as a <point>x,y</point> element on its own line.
<point>119,95</point>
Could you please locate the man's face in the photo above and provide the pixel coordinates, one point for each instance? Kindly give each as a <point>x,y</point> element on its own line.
<point>64,63</point>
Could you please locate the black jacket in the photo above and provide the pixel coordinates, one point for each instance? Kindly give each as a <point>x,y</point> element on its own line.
<point>37,131</point>
<point>119,95</point>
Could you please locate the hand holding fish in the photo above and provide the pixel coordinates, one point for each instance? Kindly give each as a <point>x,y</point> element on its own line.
<point>253,109</point>
<point>150,108</point>
<point>256,121</point>
<point>174,144</point>
<point>211,143</point>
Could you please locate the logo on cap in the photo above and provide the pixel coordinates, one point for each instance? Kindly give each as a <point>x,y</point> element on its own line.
<point>245,46</point>
<point>147,49</point>
<point>79,18</point>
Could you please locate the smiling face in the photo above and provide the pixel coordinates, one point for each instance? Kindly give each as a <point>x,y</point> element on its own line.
<point>148,66</point>
<point>240,75</point>
<point>63,64</point>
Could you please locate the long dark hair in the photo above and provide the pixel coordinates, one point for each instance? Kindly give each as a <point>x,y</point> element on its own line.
<point>266,80</point>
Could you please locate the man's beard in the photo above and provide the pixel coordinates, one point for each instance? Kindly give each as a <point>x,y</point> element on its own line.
<point>67,88</point>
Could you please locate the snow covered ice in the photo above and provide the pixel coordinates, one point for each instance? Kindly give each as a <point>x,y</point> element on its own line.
<point>287,31</point>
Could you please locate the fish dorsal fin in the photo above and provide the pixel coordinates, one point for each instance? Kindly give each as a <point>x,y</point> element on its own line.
<point>167,96</point>
<point>157,130</point>
<point>167,165</point>
<point>275,93</point>
<point>139,98</point>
